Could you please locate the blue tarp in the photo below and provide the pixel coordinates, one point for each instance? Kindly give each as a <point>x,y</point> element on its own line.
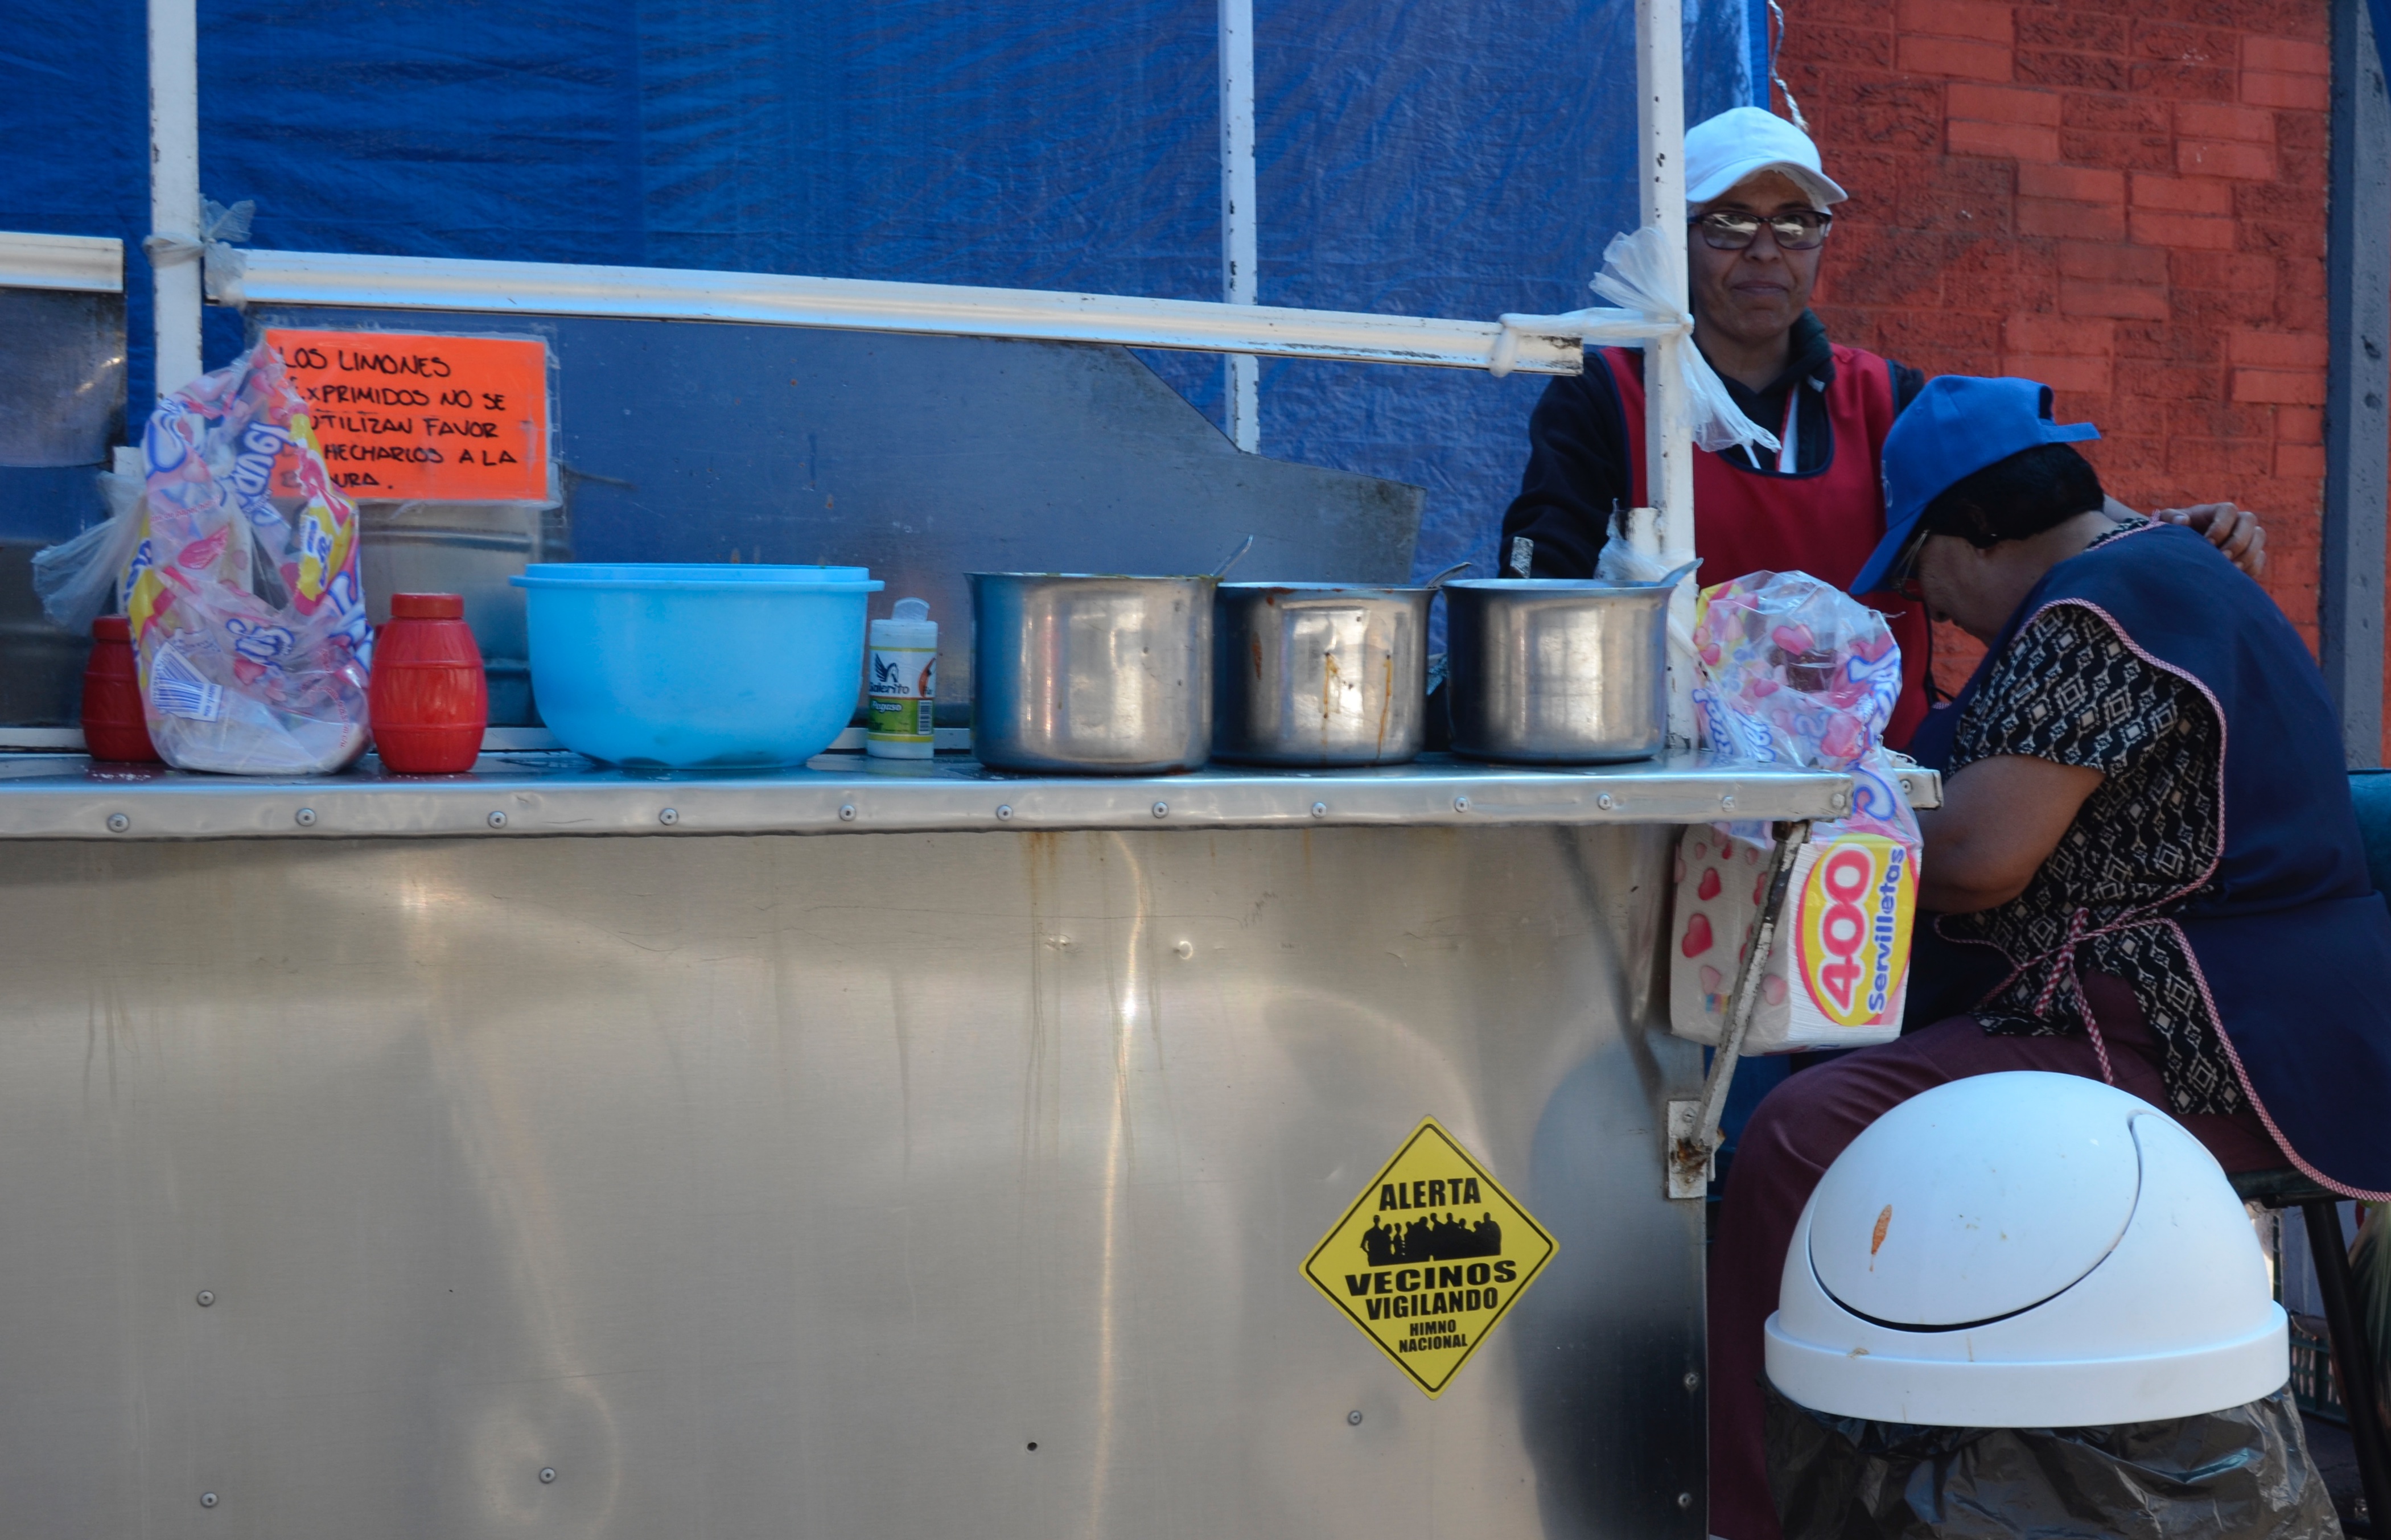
<point>1441,157</point>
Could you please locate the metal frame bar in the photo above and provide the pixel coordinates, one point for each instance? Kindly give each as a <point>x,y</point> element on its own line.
<point>525,794</point>
<point>89,264</point>
<point>1240,234</point>
<point>1536,344</point>
<point>2357,420</point>
<point>175,190</point>
<point>1694,1126</point>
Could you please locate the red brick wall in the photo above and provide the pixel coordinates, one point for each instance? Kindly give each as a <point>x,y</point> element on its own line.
<point>2125,200</point>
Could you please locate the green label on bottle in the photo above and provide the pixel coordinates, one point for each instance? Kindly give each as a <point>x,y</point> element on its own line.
<point>901,718</point>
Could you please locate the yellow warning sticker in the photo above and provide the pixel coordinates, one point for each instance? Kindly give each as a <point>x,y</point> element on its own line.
<point>1430,1257</point>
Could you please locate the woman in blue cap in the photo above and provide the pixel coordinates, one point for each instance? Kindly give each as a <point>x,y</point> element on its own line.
<point>2146,868</point>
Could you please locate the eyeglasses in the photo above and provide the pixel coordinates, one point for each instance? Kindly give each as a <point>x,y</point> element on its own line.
<point>1730,231</point>
<point>1902,576</point>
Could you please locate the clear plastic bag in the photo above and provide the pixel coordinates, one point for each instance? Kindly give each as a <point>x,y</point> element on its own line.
<point>250,619</point>
<point>78,578</point>
<point>1796,671</point>
<point>1632,276</point>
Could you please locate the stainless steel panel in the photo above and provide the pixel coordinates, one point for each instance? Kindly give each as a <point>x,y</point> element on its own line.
<point>1106,675</point>
<point>470,550</point>
<point>771,1186</point>
<point>1554,671</point>
<point>513,795</point>
<point>1319,674</point>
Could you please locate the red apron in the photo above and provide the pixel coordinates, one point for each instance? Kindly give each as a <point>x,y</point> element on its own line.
<point>1823,522</point>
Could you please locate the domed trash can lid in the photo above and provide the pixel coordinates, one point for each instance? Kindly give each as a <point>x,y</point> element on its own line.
<point>2025,1250</point>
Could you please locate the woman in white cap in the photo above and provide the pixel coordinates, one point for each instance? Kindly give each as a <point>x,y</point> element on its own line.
<point>1758,218</point>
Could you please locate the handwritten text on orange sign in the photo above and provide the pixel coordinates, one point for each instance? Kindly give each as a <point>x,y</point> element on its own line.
<point>405,414</point>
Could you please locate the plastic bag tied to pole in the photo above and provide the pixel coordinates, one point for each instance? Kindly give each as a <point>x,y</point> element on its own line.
<point>1620,561</point>
<point>1797,672</point>
<point>78,578</point>
<point>246,610</point>
<point>1634,277</point>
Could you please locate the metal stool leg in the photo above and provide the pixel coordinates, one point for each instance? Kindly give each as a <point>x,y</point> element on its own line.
<point>2322,1221</point>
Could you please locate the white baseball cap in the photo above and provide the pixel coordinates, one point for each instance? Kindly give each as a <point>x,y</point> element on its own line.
<point>1745,142</point>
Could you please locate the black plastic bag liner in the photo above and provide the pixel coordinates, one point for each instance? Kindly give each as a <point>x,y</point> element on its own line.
<point>2239,1474</point>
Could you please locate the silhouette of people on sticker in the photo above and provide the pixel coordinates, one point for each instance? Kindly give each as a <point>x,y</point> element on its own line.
<point>1431,1238</point>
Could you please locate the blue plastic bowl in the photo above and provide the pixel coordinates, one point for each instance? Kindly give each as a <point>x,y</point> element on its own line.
<point>676,666</point>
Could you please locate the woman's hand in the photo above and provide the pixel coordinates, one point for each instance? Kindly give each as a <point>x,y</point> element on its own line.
<point>2000,820</point>
<point>2234,531</point>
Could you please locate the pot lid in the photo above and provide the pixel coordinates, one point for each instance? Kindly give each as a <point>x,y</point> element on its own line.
<point>1978,1201</point>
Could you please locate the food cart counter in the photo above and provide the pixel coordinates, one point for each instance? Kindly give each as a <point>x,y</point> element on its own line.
<point>554,1150</point>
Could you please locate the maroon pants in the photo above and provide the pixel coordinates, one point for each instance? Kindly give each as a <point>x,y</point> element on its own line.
<point>1806,1122</point>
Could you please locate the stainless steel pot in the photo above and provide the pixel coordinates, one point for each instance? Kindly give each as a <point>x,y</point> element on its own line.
<point>1554,671</point>
<point>1105,675</point>
<point>1319,673</point>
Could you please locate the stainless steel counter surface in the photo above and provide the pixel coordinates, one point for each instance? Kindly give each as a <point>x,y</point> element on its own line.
<point>70,796</point>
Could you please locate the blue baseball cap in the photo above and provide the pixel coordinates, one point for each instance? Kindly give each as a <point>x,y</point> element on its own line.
<point>1957,425</point>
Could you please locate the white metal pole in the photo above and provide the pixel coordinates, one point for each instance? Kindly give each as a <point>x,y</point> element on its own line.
<point>174,187</point>
<point>1238,278</point>
<point>1669,450</point>
<point>1527,344</point>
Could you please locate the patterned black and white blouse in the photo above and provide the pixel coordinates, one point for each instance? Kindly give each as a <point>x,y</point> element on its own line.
<point>2070,690</point>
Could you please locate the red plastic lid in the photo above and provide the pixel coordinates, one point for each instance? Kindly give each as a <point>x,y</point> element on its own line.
<point>111,628</point>
<point>427,606</point>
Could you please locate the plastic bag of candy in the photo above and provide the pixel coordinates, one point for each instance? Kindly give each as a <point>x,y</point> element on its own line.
<point>246,609</point>
<point>1797,672</point>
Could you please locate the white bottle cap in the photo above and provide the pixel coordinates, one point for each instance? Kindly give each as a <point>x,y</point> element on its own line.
<point>911,626</point>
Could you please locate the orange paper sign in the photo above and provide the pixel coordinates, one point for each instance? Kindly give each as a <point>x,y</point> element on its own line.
<point>404,414</point>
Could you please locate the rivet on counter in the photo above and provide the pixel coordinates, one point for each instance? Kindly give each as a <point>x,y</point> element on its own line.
<point>1005,814</point>
<point>305,818</point>
<point>1837,801</point>
<point>1320,809</point>
<point>548,1473</point>
<point>207,1297</point>
<point>847,812</point>
<point>1353,1420</point>
<point>1685,1500</point>
<point>668,817</point>
<point>1461,804</point>
<point>1693,1380</point>
<point>207,1499</point>
<point>497,821</point>
<point>1162,809</point>
<point>1727,801</point>
<point>118,823</point>
<point>1185,950</point>
<point>1606,802</point>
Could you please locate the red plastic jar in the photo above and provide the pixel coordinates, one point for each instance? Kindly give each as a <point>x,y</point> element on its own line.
<point>112,727</point>
<point>428,697</point>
